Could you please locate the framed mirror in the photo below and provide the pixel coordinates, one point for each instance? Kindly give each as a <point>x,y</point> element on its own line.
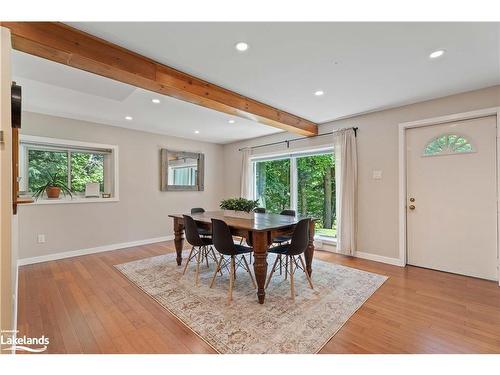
<point>182,171</point>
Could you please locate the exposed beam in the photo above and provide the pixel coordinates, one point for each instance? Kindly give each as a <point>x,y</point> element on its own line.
<point>64,44</point>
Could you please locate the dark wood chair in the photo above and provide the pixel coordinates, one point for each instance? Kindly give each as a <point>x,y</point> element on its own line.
<point>282,239</point>
<point>201,248</point>
<point>202,231</point>
<point>293,252</point>
<point>224,244</point>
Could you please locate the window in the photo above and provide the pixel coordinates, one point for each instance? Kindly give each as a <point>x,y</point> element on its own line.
<point>304,182</point>
<point>76,163</point>
<point>272,182</point>
<point>448,144</point>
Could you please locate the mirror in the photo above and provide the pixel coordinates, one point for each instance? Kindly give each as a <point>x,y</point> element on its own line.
<point>181,171</point>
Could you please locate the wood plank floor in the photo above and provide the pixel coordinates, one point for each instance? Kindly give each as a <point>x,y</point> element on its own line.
<point>85,306</point>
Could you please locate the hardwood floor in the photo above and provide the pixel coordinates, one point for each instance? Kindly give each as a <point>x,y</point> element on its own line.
<point>85,306</point>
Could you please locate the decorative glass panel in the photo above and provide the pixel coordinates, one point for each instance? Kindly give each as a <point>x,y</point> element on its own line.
<point>448,144</point>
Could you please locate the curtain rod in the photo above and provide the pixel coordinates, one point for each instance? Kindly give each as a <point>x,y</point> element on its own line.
<point>297,139</point>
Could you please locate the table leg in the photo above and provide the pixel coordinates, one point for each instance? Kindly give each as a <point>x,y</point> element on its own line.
<point>260,246</point>
<point>309,253</point>
<point>179,239</point>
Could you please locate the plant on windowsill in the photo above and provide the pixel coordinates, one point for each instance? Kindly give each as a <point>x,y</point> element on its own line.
<point>238,206</point>
<point>52,186</point>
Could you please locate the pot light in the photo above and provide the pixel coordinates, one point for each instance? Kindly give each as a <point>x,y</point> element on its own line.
<point>319,93</point>
<point>436,54</point>
<point>129,118</point>
<point>241,46</point>
<point>155,100</point>
<point>231,121</point>
<point>196,132</point>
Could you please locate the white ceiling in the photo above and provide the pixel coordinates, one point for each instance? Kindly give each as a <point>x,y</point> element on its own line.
<point>59,90</point>
<point>361,67</point>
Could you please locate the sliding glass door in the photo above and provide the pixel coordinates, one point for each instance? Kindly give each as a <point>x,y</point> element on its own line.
<point>316,191</point>
<point>303,182</point>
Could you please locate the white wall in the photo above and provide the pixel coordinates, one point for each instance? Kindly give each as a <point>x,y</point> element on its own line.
<point>142,210</point>
<point>377,150</point>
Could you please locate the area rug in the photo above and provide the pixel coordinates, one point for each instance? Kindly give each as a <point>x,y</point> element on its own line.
<point>245,326</point>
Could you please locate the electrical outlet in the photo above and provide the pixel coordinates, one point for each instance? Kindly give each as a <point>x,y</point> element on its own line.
<point>377,175</point>
<point>41,238</point>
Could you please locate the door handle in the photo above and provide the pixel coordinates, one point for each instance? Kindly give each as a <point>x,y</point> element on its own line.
<point>411,206</point>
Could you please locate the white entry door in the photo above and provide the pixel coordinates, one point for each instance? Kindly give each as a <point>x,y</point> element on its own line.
<point>451,202</point>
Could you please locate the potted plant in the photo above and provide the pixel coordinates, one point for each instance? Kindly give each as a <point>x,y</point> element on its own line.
<point>239,207</point>
<point>52,186</point>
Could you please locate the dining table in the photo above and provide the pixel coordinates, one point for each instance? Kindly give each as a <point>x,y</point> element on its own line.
<point>258,229</point>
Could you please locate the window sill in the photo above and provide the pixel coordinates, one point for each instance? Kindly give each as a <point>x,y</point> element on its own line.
<point>73,201</point>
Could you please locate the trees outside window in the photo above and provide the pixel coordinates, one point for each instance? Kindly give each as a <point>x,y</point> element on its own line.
<point>304,183</point>
<point>273,184</point>
<point>78,168</point>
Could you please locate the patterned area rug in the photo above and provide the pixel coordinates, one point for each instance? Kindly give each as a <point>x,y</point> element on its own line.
<point>245,326</point>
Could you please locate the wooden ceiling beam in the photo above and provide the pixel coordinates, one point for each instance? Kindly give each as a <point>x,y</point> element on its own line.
<point>66,45</point>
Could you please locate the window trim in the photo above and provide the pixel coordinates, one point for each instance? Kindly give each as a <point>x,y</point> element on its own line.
<point>62,143</point>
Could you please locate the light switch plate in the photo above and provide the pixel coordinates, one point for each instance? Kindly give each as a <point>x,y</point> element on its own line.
<point>41,238</point>
<point>377,175</point>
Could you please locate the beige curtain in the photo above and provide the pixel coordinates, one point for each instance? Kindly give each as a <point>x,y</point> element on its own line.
<point>346,185</point>
<point>246,190</point>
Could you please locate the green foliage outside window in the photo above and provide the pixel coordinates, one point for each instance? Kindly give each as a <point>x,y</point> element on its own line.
<point>316,191</point>
<point>315,188</point>
<point>84,168</point>
<point>273,185</point>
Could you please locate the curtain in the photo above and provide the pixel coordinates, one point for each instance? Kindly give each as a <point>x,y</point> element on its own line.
<point>346,182</point>
<point>246,190</point>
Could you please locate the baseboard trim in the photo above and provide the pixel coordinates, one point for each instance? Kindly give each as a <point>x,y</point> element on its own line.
<point>92,250</point>
<point>379,258</point>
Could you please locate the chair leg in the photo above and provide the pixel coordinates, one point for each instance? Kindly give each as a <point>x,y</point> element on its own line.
<point>217,269</point>
<point>206,255</point>
<point>231,280</point>
<point>250,272</point>
<point>305,271</point>
<point>272,271</point>
<point>279,256</point>
<point>198,261</point>
<point>292,286</point>
<point>286,267</point>
<point>187,260</point>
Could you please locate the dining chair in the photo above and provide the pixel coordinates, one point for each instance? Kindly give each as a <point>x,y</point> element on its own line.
<point>293,252</point>
<point>202,231</point>
<point>260,210</point>
<point>282,239</point>
<point>201,247</point>
<point>224,244</point>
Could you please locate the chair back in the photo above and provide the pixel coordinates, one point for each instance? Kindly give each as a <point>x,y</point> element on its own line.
<point>192,235</point>
<point>300,238</point>
<point>222,238</point>
<point>288,212</point>
<point>260,210</point>
<point>197,210</point>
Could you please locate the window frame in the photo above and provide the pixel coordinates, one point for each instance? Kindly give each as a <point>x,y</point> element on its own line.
<point>293,156</point>
<point>111,168</point>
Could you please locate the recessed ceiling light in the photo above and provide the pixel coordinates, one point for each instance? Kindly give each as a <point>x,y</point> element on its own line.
<point>129,118</point>
<point>196,132</point>
<point>231,121</point>
<point>436,54</point>
<point>241,46</point>
<point>155,100</point>
<point>319,93</point>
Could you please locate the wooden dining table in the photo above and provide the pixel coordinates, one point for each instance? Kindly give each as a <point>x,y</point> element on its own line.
<point>259,230</point>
